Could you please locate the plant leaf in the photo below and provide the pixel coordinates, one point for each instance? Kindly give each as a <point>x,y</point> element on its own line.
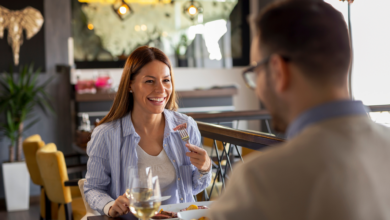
<point>43,105</point>
<point>10,121</point>
<point>18,96</point>
<point>29,125</point>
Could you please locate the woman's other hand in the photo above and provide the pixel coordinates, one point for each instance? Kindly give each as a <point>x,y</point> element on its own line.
<point>120,207</point>
<point>199,158</point>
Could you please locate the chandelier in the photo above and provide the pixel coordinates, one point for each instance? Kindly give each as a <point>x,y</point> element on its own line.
<point>122,9</point>
<point>191,9</point>
<point>349,1</point>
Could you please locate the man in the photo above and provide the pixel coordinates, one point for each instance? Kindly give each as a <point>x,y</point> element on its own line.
<point>335,163</point>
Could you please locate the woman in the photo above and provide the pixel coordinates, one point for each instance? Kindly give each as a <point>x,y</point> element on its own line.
<point>140,130</point>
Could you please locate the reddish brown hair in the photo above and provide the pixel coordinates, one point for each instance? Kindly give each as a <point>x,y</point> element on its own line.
<point>124,102</point>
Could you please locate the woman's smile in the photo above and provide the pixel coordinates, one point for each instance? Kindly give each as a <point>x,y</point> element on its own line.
<point>152,88</point>
<point>157,100</point>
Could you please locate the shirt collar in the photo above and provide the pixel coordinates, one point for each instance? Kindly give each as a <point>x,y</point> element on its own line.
<point>127,125</point>
<point>323,112</point>
<point>169,126</point>
<point>170,123</point>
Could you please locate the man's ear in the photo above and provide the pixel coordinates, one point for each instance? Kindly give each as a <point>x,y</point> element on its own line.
<point>280,73</point>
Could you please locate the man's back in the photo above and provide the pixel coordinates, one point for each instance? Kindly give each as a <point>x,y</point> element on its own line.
<point>334,169</point>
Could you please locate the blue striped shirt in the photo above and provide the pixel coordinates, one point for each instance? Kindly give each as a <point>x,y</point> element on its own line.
<point>112,149</point>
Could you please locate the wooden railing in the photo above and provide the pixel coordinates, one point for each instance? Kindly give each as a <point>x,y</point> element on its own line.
<point>379,108</point>
<point>237,116</point>
<point>249,139</point>
<point>231,116</point>
<point>263,115</point>
<point>255,115</point>
<point>231,140</point>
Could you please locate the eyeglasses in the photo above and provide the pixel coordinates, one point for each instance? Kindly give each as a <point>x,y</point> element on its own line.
<point>250,75</point>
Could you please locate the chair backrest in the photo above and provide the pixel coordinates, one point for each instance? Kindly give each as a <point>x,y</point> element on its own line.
<point>30,147</point>
<point>90,211</point>
<point>54,173</point>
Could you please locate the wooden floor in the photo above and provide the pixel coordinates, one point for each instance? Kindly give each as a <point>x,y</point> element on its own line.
<point>31,214</point>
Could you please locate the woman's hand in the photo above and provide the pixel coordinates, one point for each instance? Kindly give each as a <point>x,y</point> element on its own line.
<point>199,157</point>
<point>120,207</point>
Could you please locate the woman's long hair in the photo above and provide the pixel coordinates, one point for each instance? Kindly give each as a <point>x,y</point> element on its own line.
<point>123,102</point>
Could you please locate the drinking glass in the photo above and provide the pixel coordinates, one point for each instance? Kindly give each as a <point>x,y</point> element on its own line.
<point>143,192</point>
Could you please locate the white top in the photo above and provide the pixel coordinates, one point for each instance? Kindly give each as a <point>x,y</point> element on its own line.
<point>161,166</point>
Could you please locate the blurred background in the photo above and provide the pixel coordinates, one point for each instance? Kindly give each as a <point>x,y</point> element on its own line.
<point>82,45</point>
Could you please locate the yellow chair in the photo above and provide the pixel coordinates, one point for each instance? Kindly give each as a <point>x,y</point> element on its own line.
<point>54,174</point>
<point>30,147</point>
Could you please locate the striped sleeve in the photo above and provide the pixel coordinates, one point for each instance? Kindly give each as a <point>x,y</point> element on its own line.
<point>199,181</point>
<point>98,175</point>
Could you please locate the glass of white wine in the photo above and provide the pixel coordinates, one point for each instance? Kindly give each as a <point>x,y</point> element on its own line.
<point>143,192</point>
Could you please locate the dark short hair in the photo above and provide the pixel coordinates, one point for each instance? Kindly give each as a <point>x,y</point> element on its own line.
<point>311,33</point>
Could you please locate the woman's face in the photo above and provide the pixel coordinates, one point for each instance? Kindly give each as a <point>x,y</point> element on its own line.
<point>152,88</point>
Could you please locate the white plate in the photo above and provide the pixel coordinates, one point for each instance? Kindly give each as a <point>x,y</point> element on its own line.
<point>178,207</point>
<point>192,214</point>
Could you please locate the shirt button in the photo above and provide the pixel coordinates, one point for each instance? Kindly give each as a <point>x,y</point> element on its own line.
<point>178,178</point>
<point>174,161</point>
<point>181,199</point>
<point>201,175</point>
<point>165,145</point>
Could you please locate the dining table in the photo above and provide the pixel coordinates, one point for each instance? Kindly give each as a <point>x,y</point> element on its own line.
<point>128,216</point>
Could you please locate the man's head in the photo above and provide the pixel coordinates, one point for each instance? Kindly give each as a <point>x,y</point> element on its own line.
<point>307,55</point>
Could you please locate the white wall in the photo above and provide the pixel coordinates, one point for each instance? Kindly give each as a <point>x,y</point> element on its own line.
<point>189,79</point>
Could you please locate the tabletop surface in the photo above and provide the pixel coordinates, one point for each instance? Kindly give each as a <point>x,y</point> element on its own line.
<point>104,217</point>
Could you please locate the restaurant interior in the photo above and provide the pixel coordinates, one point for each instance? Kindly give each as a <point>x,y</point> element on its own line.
<point>71,54</point>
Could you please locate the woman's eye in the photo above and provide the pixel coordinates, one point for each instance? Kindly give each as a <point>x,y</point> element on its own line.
<point>167,80</point>
<point>149,81</point>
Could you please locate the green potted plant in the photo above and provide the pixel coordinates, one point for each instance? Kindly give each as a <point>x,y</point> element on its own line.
<point>19,94</point>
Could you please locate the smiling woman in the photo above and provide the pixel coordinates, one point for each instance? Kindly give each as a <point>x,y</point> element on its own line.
<point>153,60</point>
<point>152,88</point>
<point>141,131</point>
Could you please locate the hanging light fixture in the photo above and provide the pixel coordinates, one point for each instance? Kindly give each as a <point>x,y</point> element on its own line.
<point>349,1</point>
<point>191,9</point>
<point>90,26</point>
<point>122,9</point>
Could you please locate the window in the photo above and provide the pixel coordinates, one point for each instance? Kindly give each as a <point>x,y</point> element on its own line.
<point>371,47</point>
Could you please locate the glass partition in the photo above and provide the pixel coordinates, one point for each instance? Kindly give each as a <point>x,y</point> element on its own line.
<point>192,33</point>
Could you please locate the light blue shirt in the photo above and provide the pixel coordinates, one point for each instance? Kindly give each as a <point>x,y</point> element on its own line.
<point>325,111</point>
<point>112,149</point>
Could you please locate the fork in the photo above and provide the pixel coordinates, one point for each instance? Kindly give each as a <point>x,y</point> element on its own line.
<point>183,134</point>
